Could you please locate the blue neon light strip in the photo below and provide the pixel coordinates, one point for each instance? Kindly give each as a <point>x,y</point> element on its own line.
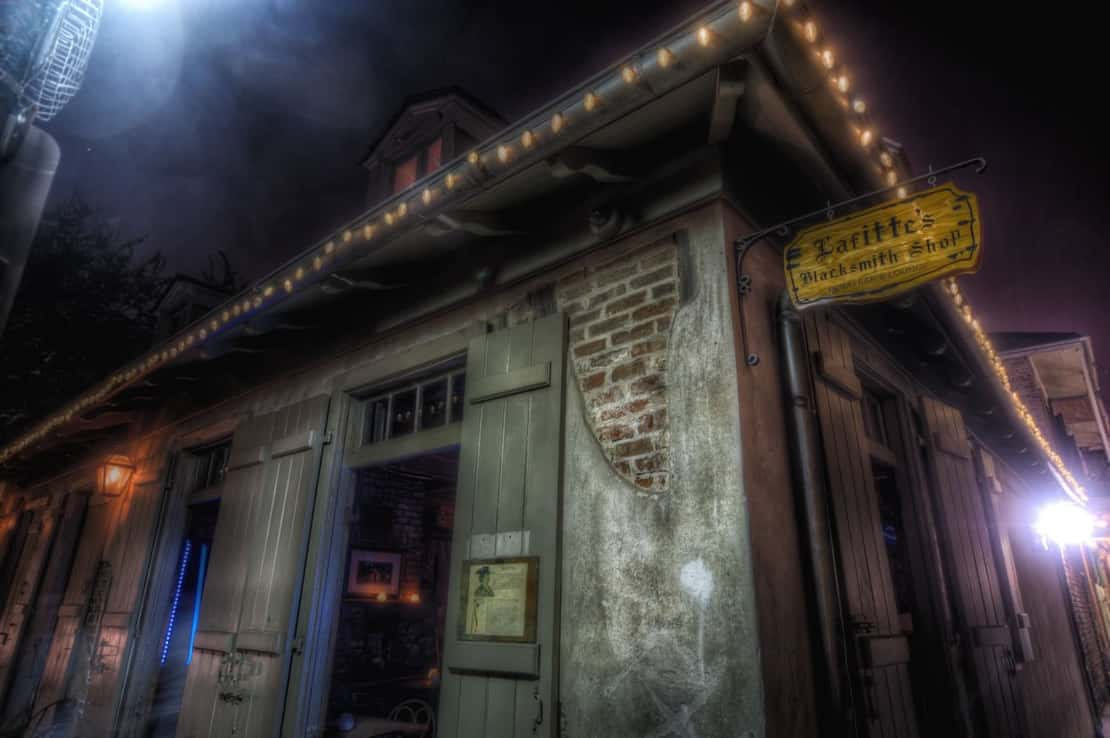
<point>176,599</point>
<point>201,566</point>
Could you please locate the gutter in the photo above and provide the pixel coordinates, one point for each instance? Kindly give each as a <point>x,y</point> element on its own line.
<point>810,504</point>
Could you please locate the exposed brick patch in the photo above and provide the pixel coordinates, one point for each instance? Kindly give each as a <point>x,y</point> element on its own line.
<point>621,309</point>
<point>585,349</point>
<point>627,371</point>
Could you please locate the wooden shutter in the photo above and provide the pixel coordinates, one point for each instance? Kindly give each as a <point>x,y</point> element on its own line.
<point>19,605</point>
<point>80,613</point>
<point>508,505</point>
<point>25,669</point>
<point>128,556</point>
<point>879,651</point>
<point>964,532</point>
<point>244,638</point>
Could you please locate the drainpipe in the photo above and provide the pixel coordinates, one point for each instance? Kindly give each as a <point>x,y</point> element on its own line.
<point>810,503</point>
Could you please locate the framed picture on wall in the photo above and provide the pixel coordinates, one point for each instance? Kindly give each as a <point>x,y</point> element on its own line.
<point>373,574</point>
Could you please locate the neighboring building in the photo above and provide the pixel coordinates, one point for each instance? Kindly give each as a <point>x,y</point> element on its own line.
<point>528,449</point>
<point>1056,376</point>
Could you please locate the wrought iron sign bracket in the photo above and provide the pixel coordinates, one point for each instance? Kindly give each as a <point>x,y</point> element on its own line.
<point>784,230</point>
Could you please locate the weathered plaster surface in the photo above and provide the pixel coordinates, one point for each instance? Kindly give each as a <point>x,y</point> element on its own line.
<point>658,620</point>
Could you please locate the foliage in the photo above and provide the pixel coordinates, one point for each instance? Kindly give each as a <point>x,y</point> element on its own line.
<point>84,308</point>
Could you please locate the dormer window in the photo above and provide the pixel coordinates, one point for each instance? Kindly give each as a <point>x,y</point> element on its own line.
<point>429,159</point>
<point>428,131</point>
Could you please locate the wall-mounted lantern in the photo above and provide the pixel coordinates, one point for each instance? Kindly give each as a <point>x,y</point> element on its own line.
<point>114,474</point>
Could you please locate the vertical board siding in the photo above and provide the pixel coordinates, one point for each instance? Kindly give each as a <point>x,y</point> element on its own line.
<point>25,587</point>
<point>868,594</point>
<point>70,635</point>
<point>255,569</point>
<point>509,468</point>
<point>964,529</point>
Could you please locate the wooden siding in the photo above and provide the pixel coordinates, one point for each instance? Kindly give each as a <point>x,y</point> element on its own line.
<point>509,482</point>
<point>1054,692</point>
<point>884,696</point>
<point>964,531</point>
<point>235,682</point>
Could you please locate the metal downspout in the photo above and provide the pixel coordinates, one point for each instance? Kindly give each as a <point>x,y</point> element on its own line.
<point>810,504</point>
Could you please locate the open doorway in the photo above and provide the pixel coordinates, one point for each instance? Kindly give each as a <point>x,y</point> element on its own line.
<point>180,626</point>
<point>387,657</point>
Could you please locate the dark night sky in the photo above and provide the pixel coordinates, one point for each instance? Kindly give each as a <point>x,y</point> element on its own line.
<point>238,124</point>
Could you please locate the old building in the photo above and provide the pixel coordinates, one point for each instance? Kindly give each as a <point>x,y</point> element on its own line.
<point>531,448</point>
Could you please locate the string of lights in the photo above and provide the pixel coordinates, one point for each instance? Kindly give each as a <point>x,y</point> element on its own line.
<point>648,73</point>
<point>983,340</point>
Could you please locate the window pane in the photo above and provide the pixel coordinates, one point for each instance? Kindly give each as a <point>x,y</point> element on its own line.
<point>435,155</point>
<point>404,175</point>
<point>433,404</point>
<point>377,419</point>
<point>404,413</point>
<point>458,393</point>
<point>218,470</point>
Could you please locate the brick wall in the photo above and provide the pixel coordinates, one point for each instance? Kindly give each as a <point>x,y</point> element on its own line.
<point>391,517</point>
<point>620,308</point>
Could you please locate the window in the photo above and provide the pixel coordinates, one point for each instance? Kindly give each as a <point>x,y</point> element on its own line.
<point>429,159</point>
<point>874,423</point>
<point>423,404</point>
<point>211,465</point>
<point>434,156</point>
<point>405,174</point>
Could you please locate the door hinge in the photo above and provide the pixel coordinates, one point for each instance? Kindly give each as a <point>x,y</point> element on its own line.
<point>297,646</point>
<point>329,436</point>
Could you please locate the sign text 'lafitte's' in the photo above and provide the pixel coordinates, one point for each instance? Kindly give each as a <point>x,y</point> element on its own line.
<point>885,250</point>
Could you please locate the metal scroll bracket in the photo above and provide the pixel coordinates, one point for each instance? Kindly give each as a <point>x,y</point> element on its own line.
<point>785,229</point>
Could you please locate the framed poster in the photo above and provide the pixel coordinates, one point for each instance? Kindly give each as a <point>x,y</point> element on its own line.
<point>373,574</point>
<point>499,600</point>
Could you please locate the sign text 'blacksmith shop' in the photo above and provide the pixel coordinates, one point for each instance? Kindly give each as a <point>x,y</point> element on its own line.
<point>885,250</point>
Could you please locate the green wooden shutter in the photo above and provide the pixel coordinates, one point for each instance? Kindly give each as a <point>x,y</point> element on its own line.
<point>509,502</point>
<point>243,642</point>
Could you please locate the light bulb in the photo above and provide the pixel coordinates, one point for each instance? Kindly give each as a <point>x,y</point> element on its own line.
<point>591,101</point>
<point>811,31</point>
<point>629,73</point>
<point>527,139</point>
<point>665,57</point>
<point>745,11</point>
<point>557,122</point>
<point>705,36</point>
<point>504,153</point>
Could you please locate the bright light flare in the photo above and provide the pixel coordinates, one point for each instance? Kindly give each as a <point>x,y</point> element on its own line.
<point>1064,523</point>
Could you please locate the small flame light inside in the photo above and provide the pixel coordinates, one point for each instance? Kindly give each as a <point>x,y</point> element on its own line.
<point>1064,523</point>
<point>114,474</point>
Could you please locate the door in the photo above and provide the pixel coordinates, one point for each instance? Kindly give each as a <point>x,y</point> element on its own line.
<point>508,507</point>
<point>878,651</point>
<point>244,639</point>
<point>964,532</point>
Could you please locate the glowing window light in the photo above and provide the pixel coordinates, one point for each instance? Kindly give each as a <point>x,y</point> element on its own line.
<point>1064,523</point>
<point>859,106</point>
<point>176,599</point>
<point>828,59</point>
<point>746,11</point>
<point>811,32</point>
<point>201,566</point>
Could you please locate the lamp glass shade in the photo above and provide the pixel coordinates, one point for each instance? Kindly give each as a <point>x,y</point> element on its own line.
<point>114,475</point>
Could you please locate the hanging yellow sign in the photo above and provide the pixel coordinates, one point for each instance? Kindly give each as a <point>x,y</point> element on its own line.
<point>885,250</point>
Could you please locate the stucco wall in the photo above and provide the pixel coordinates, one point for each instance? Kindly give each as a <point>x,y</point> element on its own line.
<point>659,631</point>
